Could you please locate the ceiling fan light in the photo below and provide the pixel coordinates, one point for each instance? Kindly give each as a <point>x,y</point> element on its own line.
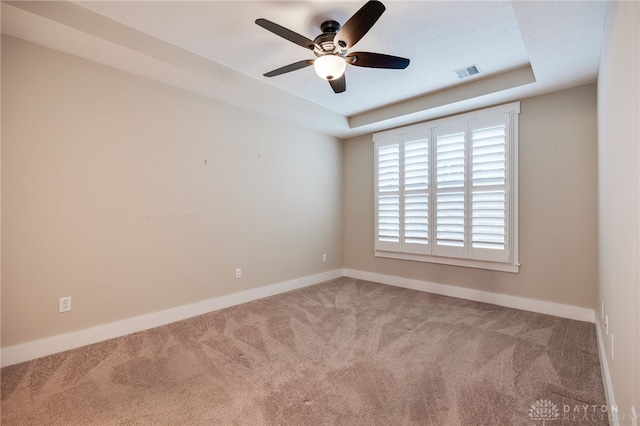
<point>330,67</point>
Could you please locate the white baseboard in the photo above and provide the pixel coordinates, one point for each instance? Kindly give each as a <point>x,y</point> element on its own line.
<point>606,377</point>
<point>43,347</point>
<point>539,306</point>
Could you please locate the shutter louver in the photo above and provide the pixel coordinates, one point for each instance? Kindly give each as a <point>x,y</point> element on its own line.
<point>416,219</point>
<point>416,185</point>
<point>450,198</point>
<point>488,156</point>
<point>389,168</point>
<point>488,220</point>
<point>416,165</point>
<point>488,195</point>
<point>450,161</point>
<point>388,193</point>
<point>389,218</point>
<point>450,219</point>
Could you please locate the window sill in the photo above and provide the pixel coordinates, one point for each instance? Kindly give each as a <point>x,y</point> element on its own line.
<point>467,263</point>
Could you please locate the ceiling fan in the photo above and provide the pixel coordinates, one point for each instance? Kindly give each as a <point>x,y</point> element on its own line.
<point>331,47</point>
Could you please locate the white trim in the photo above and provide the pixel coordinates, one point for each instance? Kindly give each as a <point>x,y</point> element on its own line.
<point>456,261</point>
<point>506,259</point>
<point>606,376</point>
<point>50,345</point>
<point>471,115</point>
<point>516,302</point>
<point>47,346</point>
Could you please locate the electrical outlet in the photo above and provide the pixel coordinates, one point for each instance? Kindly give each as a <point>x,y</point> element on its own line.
<point>238,273</point>
<point>324,257</point>
<point>65,304</point>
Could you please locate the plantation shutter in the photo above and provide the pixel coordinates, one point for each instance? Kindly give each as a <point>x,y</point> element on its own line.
<point>387,157</point>
<point>489,188</point>
<point>416,192</point>
<point>446,191</point>
<point>450,151</point>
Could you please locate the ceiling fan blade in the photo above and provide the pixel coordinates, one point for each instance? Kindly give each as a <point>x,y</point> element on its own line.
<point>377,60</point>
<point>359,24</point>
<point>286,33</point>
<point>291,67</point>
<point>339,85</point>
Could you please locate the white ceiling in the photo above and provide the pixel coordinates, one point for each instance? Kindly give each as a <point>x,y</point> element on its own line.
<point>214,48</point>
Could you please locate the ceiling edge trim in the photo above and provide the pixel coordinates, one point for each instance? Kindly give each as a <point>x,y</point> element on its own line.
<point>197,74</point>
<point>480,87</point>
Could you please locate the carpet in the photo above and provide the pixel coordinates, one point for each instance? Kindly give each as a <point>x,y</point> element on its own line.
<point>342,352</point>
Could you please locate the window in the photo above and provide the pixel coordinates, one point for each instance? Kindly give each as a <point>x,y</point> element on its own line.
<point>446,190</point>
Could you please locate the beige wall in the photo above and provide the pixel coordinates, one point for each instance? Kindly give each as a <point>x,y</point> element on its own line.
<point>619,188</point>
<point>558,210</point>
<point>133,197</point>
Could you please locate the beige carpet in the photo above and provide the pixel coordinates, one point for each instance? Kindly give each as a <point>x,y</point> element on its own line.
<point>344,352</point>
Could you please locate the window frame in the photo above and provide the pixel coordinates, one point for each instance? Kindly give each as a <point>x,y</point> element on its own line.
<point>431,252</point>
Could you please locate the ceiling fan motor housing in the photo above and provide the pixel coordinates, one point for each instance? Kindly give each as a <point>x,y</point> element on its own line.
<point>326,39</point>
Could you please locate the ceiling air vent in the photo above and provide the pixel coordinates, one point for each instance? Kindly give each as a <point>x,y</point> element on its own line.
<point>468,71</point>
